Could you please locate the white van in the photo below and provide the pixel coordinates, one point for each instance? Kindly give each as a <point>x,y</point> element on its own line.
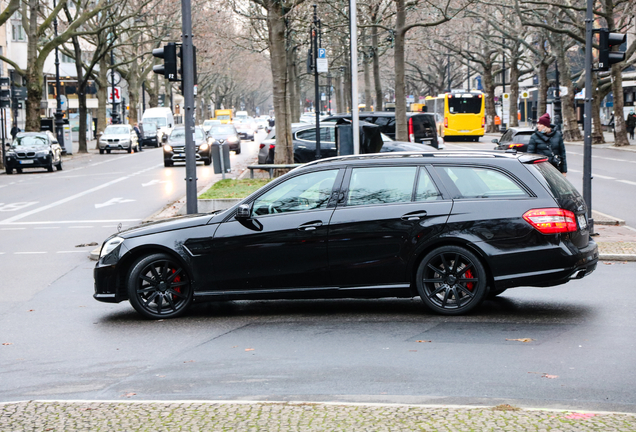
<point>162,117</point>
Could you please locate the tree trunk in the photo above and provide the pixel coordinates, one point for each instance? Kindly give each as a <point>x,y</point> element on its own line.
<point>513,112</point>
<point>489,91</point>
<point>347,83</point>
<point>293,95</point>
<point>571,131</point>
<point>102,95</point>
<point>620,127</point>
<point>401,133</point>
<point>597,130</point>
<point>34,96</point>
<point>542,91</point>
<point>277,48</point>
<point>379,96</point>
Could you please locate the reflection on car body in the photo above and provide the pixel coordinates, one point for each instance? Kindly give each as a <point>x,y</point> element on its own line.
<point>453,228</point>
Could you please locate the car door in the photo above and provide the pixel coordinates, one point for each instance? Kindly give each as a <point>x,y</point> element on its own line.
<point>284,243</point>
<point>305,143</point>
<point>383,216</point>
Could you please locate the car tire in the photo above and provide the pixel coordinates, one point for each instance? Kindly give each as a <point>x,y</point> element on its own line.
<point>108,151</point>
<point>8,170</point>
<point>168,163</point>
<point>49,167</point>
<point>58,166</point>
<point>130,149</point>
<point>159,287</point>
<point>238,150</point>
<point>101,151</point>
<point>18,170</point>
<point>451,280</point>
<point>207,161</point>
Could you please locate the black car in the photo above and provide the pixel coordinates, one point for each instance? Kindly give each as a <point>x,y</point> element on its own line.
<point>421,126</point>
<point>453,228</point>
<point>226,134</point>
<point>514,138</point>
<point>148,132</point>
<point>174,149</point>
<point>33,150</point>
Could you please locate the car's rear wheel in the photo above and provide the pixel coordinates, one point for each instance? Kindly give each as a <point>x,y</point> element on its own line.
<point>130,149</point>
<point>451,280</point>
<point>159,287</point>
<point>101,151</point>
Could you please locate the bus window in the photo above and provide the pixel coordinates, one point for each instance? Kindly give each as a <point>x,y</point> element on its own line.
<point>464,105</point>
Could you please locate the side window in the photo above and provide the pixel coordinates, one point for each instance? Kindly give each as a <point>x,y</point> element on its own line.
<point>381,185</point>
<point>426,190</point>
<point>307,135</point>
<point>476,182</point>
<point>304,192</point>
<point>382,121</point>
<point>327,134</point>
<point>506,136</point>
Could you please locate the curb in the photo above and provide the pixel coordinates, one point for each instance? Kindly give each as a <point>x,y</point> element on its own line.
<point>617,257</point>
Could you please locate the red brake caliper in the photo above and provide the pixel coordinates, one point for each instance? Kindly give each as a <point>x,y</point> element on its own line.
<point>469,275</point>
<point>177,289</point>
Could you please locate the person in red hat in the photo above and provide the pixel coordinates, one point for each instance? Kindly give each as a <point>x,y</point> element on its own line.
<point>547,141</point>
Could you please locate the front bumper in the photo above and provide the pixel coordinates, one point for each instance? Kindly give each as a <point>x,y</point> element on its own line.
<point>114,145</point>
<point>28,162</point>
<point>179,156</point>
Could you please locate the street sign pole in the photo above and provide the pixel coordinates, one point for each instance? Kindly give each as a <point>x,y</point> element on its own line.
<point>187,60</point>
<point>587,118</point>
<point>355,115</point>
<point>316,84</point>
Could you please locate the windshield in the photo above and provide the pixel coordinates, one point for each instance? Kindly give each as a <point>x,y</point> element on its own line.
<point>116,130</point>
<point>464,105</point>
<point>149,127</point>
<point>210,122</point>
<point>222,130</point>
<point>30,141</point>
<point>223,117</point>
<point>179,134</point>
<point>160,121</point>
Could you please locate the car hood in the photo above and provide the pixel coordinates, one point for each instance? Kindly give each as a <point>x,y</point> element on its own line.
<point>180,222</point>
<point>27,148</point>
<point>115,136</point>
<point>182,142</point>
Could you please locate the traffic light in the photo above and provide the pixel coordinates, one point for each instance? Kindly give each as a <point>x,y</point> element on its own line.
<point>5,98</point>
<point>169,67</point>
<point>180,69</point>
<point>607,40</point>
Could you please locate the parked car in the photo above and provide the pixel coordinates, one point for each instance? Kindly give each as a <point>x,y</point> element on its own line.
<point>226,134</point>
<point>174,148</point>
<point>422,127</point>
<point>452,230</point>
<point>261,123</point>
<point>149,134</point>
<point>514,138</point>
<point>33,150</point>
<point>207,124</point>
<point>304,139</point>
<point>118,137</point>
<point>245,128</point>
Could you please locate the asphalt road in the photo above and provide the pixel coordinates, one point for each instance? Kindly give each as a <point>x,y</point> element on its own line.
<point>562,347</point>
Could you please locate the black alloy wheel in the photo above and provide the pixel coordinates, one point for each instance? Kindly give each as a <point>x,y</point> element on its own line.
<point>159,287</point>
<point>168,163</point>
<point>451,280</point>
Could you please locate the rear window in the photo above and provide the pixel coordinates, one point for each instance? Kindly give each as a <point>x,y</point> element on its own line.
<point>558,185</point>
<point>464,105</point>
<point>521,138</point>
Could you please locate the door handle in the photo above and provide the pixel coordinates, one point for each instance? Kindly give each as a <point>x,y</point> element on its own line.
<point>310,226</point>
<point>414,216</point>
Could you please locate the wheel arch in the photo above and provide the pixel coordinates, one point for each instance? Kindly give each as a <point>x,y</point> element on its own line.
<point>128,260</point>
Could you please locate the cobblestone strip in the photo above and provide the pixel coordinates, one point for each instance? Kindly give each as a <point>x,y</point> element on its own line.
<point>262,416</point>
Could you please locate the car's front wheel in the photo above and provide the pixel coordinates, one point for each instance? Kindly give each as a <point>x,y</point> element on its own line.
<point>451,280</point>
<point>58,166</point>
<point>8,170</point>
<point>159,287</point>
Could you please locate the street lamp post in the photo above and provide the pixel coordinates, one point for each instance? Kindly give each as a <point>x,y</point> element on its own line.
<point>59,123</point>
<point>329,93</point>
<point>558,121</point>
<point>316,83</point>
<point>113,114</point>
<point>503,83</point>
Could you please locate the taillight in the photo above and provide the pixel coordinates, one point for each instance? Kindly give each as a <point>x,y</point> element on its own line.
<point>514,145</point>
<point>483,120</point>
<point>551,220</point>
<point>261,145</point>
<point>411,135</point>
<point>536,161</point>
<point>446,122</point>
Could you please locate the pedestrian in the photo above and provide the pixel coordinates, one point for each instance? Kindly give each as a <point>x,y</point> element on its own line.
<point>547,141</point>
<point>631,123</point>
<point>139,139</point>
<point>14,131</point>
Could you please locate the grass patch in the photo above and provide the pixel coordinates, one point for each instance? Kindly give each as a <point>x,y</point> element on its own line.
<point>230,188</point>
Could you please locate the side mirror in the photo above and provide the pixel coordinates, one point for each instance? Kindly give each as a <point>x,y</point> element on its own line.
<point>243,212</point>
<point>496,141</point>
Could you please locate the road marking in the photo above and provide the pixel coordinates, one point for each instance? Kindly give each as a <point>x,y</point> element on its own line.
<point>628,182</point>
<point>47,228</point>
<point>15,206</point>
<point>11,229</point>
<point>74,222</point>
<point>153,182</point>
<point>603,177</point>
<point>573,170</point>
<point>80,227</point>
<point>28,253</point>
<point>73,197</point>
<point>75,251</point>
<point>113,201</point>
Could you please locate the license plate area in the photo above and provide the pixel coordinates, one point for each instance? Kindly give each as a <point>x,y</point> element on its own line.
<point>582,221</point>
<point>26,162</point>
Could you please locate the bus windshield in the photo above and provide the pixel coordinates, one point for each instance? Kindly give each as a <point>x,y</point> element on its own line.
<point>464,105</point>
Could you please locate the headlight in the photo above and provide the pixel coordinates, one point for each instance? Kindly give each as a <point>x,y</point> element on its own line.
<point>232,138</point>
<point>110,245</point>
<point>203,147</point>
<point>42,154</point>
<point>124,141</point>
<point>167,148</point>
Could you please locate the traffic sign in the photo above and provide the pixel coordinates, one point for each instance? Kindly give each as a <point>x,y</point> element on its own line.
<point>525,94</point>
<point>322,64</point>
<point>114,78</point>
<point>117,95</point>
<point>322,53</point>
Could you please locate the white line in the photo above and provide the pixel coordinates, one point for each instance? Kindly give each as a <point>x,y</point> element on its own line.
<point>80,227</point>
<point>2,253</point>
<point>573,170</point>
<point>77,251</point>
<point>28,253</point>
<point>71,222</point>
<point>603,177</point>
<point>47,228</point>
<point>72,197</point>
<point>627,181</point>
<point>11,229</point>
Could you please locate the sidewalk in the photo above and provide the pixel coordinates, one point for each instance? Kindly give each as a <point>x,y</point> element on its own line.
<point>153,416</point>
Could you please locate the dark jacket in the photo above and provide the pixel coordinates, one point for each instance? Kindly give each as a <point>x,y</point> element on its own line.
<point>631,120</point>
<point>550,145</point>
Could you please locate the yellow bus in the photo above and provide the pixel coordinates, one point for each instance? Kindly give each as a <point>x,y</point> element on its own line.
<point>459,114</point>
<point>225,115</point>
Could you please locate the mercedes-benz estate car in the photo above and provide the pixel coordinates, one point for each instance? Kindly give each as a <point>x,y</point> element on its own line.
<point>453,228</point>
<point>174,148</point>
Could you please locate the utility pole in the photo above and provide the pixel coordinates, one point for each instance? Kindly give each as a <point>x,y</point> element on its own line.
<point>558,121</point>
<point>113,112</point>
<point>503,82</point>
<point>59,123</point>
<point>314,34</point>
<point>355,113</point>
<point>187,62</point>
<point>587,119</point>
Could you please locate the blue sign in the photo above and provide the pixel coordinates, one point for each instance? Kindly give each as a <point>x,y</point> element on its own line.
<point>322,53</point>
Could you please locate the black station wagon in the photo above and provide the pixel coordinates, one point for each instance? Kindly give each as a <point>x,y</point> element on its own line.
<point>453,228</point>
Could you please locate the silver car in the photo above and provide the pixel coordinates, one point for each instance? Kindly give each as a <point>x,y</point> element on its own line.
<point>118,137</point>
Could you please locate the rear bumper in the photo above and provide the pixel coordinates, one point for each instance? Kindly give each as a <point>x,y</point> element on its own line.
<point>469,132</point>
